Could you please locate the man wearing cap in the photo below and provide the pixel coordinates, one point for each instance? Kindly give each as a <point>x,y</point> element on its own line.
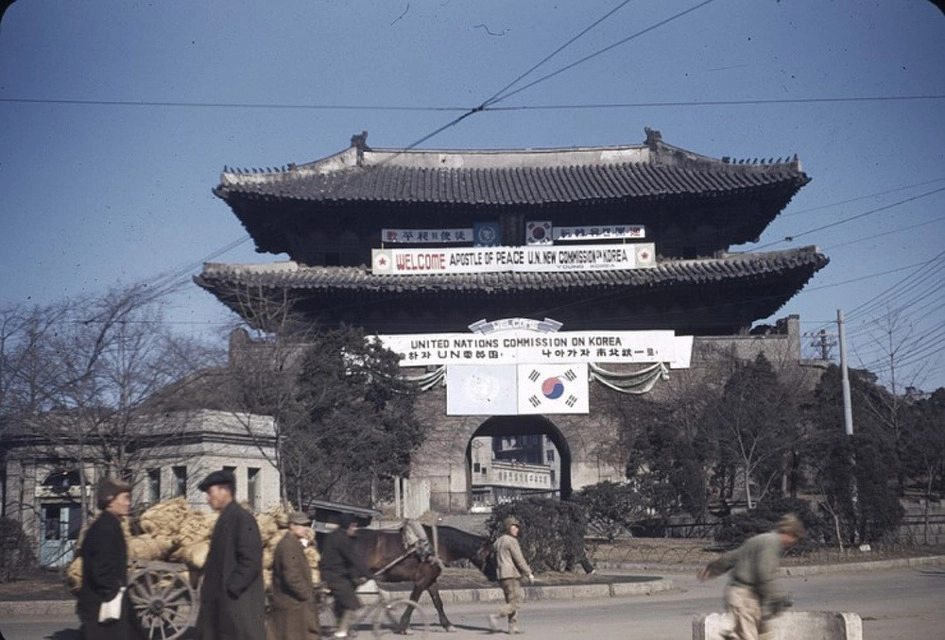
<point>342,569</point>
<point>105,567</point>
<point>751,594</point>
<point>293,612</point>
<point>511,566</point>
<point>232,599</point>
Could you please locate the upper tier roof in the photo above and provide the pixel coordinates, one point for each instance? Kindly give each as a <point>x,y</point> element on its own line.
<point>653,169</point>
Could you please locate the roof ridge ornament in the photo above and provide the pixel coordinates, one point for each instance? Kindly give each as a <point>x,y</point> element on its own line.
<point>359,144</point>
<point>653,137</point>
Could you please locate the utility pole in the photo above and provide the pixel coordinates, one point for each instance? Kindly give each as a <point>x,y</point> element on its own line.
<point>848,421</point>
<point>823,342</point>
<point>847,409</point>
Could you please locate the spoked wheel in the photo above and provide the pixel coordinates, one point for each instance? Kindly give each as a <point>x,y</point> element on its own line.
<point>164,601</point>
<point>387,619</point>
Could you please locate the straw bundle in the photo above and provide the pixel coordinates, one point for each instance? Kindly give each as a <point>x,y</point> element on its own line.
<point>74,575</point>
<point>267,526</point>
<point>148,547</point>
<point>194,555</point>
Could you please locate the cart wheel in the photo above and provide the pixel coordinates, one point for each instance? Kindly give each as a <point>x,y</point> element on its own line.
<point>164,601</point>
<point>387,620</point>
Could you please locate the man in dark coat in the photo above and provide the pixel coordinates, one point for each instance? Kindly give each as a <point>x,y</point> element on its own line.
<point>105,567</point>
<point>342,570</point>
<point>232,599</point>
<point>293,610</point>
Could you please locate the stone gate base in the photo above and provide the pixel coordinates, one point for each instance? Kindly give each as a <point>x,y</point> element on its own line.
<point>809,625</point>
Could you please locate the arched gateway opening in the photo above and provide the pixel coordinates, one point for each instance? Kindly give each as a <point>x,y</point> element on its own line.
<point>517,456</point>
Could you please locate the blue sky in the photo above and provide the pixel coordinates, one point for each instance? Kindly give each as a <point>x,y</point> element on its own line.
<point>118,116</point>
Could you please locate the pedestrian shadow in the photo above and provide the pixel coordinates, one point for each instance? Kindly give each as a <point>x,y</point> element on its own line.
<point>64,634</point>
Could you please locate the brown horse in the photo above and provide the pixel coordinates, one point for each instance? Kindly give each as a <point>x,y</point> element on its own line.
<point>380,548</point>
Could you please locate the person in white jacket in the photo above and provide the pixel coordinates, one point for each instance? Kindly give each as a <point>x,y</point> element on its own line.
<point>511,567</point>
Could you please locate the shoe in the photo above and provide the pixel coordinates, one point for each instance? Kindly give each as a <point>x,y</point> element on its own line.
<point>494,622</point>
<point>515,630</point>
<point>340,634</point>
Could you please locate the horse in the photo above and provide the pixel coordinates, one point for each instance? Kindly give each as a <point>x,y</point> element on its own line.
<point>380,548</point>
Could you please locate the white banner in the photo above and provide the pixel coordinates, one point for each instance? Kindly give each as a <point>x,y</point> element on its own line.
<point>523,346</point>
<point>503,259</point>
<point>525,389</point>
<point>597,232</point>
<point>476,390</point>
<point>426,236</point>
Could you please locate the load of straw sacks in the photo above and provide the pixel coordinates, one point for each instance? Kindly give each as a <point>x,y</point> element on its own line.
<point>174,532</point>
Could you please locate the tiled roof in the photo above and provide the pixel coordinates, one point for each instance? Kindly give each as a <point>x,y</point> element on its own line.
<point>519,177</point>
<point>337,280</point>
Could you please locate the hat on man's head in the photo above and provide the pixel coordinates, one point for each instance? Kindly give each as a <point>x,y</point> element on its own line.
<point>297,517</point>
<point>108,489</point>
<point>791,525</point>
<point>223,476</point>
<point>508,522</point>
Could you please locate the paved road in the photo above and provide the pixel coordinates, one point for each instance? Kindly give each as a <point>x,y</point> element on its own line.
<point>894,604</point>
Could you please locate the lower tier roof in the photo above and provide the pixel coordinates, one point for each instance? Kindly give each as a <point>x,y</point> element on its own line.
<point>704,297</point>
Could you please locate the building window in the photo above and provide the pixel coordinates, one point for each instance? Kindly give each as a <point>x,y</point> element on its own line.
<point>550,455</point>
<point>476,467</point>
<point>154,486</point>
<point>180,481</point>
<point>252,487</point>
<point>484,468</point>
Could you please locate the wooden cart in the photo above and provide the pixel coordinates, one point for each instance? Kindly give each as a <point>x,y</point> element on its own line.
<point>164,596</point>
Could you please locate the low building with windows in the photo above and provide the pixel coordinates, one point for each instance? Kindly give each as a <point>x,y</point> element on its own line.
<point>167,456</point>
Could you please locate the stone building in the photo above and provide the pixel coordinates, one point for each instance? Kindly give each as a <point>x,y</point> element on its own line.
<point>42,485</point>
<point>523,287</point>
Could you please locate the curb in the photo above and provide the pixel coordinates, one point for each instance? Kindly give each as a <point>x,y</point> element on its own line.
<point>450,596</point>
<point>800,570</point>
<point>561,592</point>
<point>11,608</point>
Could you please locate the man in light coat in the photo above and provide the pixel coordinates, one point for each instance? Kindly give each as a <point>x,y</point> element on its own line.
<point>293,610</point>
<point>511,566</point>
<point>752,590</point>
<point>232,598</point>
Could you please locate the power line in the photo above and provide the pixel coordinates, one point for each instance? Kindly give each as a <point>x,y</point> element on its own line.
<point>712,103</point>
<point>227,105</point>
<point>601,51</point>
<point>486,106</point>
<point>496,96</point>
<point>794,236</point>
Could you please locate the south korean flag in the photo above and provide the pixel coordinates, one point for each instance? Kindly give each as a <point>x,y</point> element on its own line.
<point>552,388</point>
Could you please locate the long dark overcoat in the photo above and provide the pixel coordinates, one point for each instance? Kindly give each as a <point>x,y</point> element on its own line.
<point>232,599</point>
<point>293,612</point>
<point>104,572</point>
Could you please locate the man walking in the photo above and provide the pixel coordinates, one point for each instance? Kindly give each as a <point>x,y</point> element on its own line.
<point>754,566</point>
<point>511,566</point>
<point>342,569</point>
<point>293,612</point>
<point>232,599</point>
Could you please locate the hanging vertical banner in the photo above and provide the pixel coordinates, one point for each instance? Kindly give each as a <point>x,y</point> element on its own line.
<point>486,234</point>
<point>476,390</point>
<point>551,389</point>
<point>538,232</point>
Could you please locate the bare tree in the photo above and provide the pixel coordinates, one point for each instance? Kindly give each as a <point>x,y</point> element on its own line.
<point>78,378</point>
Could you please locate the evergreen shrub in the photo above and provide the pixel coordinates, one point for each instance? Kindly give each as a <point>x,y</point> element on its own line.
<point>552,531</point>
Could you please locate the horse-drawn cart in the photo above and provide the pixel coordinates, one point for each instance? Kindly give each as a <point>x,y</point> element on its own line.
<point>164,597</point>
